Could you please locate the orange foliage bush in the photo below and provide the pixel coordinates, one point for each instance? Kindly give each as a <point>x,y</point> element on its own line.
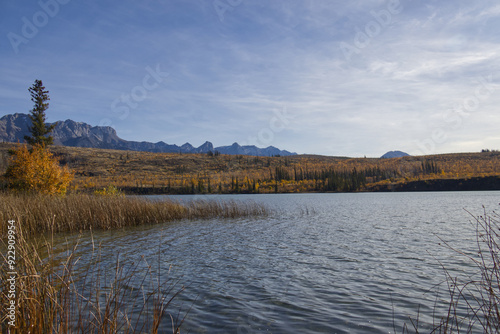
<point>37,170</point>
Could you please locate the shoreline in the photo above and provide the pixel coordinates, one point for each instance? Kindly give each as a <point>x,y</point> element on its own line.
<point>487,183</point>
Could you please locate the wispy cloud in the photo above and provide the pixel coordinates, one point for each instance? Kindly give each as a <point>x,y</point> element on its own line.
<point>226,79</point>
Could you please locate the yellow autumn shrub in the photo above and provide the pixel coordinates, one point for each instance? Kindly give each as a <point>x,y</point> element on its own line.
<point>37,170</point>
<point>110,190</point>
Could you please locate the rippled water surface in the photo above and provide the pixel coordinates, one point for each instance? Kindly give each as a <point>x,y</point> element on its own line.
<point>319,263</point>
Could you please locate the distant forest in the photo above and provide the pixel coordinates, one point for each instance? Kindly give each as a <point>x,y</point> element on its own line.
<point>171,173</point>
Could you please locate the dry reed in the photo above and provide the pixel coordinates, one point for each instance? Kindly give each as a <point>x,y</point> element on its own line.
<point>43,214</point>
<point>474,302</point>
<point>54,295</point>
<point>60,292</point>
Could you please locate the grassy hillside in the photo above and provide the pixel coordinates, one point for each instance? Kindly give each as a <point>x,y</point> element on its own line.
<point>142,172</point>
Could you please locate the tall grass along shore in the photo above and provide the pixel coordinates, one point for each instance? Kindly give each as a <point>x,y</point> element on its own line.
<point>473,303</point>
<point>42,214</point>
<point>55,291</point>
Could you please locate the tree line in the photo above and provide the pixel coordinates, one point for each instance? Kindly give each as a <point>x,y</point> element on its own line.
<point>320,180</point>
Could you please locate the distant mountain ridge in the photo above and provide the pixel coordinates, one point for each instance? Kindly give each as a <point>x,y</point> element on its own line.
<point>14,127</point>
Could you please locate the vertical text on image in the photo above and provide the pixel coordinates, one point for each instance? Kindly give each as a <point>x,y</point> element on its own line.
<point>11,265</point>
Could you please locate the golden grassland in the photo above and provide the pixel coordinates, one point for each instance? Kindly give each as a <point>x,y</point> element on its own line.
<point>201,173</point>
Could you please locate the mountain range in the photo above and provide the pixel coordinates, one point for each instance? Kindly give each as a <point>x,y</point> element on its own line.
<point>14,127</point>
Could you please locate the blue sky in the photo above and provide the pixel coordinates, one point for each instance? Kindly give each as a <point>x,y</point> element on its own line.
<point>349,78</point>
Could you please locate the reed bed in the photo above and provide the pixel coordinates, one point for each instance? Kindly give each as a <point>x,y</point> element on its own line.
<point>127,298</point>
<point>77,212</point>
<point>64,291</point>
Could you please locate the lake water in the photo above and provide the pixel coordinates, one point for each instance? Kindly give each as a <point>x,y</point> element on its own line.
<point>319,263</point>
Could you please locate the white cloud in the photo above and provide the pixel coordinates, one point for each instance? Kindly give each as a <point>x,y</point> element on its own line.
<point>226,78</point>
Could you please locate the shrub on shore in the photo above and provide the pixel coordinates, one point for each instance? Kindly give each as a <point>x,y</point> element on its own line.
<point>36,170</point>
<point>109,191</point>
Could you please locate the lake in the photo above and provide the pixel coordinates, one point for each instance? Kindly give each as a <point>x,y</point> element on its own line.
<point>319,263</point>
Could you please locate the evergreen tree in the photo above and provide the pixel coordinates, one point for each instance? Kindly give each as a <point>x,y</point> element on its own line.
<point>39,129</point>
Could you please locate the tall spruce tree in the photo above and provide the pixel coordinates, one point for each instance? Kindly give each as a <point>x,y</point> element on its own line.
<point>39,129</point>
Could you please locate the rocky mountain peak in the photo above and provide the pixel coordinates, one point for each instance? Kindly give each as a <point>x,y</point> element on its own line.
<point>14,127</point>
